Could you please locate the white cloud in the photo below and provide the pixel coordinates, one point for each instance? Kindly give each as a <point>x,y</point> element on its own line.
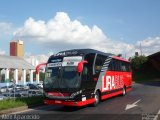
<point>149,46</point>
<point>2,52</point>
<point>61,33</point>
<point>36,59</point>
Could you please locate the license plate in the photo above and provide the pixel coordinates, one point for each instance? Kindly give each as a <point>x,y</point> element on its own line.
<point>57,101</point>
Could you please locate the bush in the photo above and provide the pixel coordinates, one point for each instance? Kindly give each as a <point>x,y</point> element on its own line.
<point>142,69</point>
<point>29,101</point>
<point>138,61</point>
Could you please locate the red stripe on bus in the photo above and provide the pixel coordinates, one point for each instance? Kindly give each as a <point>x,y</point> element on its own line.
<point>110,95</point>
<point>69,103</point>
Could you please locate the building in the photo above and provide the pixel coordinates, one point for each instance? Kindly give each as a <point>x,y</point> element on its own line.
<point>154,60</point>
<point>13,64</point>
<point>17,48</point>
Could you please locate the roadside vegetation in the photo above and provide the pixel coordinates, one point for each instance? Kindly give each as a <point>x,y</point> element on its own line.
<point>143,70</point>
<point>29,101</point>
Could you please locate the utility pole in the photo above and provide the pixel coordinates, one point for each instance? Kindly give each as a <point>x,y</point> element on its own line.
<point>125,56</point>
<point>140,48</point>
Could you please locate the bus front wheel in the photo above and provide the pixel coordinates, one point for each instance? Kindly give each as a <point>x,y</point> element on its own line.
<point>97,99</point>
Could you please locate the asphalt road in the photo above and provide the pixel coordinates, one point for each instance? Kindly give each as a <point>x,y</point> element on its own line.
<point>144,100</point>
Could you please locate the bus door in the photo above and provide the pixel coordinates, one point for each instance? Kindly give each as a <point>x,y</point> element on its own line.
<point>87,75</point>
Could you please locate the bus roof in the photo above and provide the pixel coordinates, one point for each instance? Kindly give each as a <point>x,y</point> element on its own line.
<point>81,52</point>
<point>119,58</point>
<point>75,52</point>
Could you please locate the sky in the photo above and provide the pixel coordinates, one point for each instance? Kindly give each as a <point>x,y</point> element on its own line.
<point>47,26</point>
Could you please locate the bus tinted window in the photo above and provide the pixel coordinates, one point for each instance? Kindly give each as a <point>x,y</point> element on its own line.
<point>87,73</point>
<point>99,63</point>
<point>123,67</point>
<point>128,67</point>
<point>117,65</point>
<point>113,66</point>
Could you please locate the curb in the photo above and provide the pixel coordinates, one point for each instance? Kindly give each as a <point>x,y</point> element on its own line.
<point>18,109</point>
<point>11,110</point>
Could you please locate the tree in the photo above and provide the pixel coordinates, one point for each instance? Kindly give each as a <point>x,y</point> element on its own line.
<point>41,76</point>
<point>138,61</point>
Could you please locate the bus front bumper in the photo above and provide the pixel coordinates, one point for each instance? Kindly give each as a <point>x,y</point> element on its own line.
<point>69,103</point>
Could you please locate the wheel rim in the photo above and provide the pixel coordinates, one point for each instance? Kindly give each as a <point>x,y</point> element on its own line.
<point>124,91</point>
<point>96,98</point>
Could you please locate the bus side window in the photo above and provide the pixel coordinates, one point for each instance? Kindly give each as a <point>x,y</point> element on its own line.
<point>115,65</point>
<point>84,73</point>
<point>89,66</point>
<point>125,67</point>
<point>112,65</point>
<point>99,63</point>
<point>128,67</point>
<point>120,65</point>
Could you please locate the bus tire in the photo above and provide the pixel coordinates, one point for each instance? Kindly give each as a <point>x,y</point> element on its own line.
<point>97,99</point>
<point>124,91</point>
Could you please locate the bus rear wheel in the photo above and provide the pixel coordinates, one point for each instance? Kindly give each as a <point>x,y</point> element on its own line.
<point>124,91</point>
<point>97,99</point>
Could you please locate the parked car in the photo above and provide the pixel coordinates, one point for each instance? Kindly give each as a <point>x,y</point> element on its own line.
<point>21,87</point>
<point>40,85</point>
<point>34,93</point>
<point>32,86</point>
<point>3,89</point>
<point>2,97</point>
<point>5,94</point>
<point>18,93</point>
<point>6,88</point>
<point>9,88</point>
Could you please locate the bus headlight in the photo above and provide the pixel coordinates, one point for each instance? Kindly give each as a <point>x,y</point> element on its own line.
<point>76,93</point>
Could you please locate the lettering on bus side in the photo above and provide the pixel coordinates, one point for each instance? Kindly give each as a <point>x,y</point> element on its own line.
<point>112,82</point>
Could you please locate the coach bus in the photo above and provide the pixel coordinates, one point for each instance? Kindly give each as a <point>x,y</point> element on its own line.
<point>85,76</point>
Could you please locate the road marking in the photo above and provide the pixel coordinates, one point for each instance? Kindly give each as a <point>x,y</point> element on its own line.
<point>156,117</point>
<point>129,106</point>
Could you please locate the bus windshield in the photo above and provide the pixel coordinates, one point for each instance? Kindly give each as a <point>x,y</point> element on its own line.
<point>62,77</point>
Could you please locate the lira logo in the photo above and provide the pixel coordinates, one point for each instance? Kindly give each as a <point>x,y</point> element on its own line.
<point>112,82</point>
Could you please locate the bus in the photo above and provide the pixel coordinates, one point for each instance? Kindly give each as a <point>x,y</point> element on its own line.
<point>80,77</point>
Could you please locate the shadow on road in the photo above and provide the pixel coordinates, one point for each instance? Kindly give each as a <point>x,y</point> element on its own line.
<point>151,83</point>
<point>69,109</point>
<point>65,109</point>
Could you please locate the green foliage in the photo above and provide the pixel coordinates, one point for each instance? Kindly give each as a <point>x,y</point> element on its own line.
<point>11,75</point>
<point>138,61</point>
<point>34,75</point>
<point>29,101</point>
<point>6,104</point>
<point>41,76</point>
<point>142,71</point>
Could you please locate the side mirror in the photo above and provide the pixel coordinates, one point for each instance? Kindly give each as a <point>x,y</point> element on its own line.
<point>80,66</point>
<point>38,67</point>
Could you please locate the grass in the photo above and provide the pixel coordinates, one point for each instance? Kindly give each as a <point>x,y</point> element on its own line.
<point>11,103</point>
